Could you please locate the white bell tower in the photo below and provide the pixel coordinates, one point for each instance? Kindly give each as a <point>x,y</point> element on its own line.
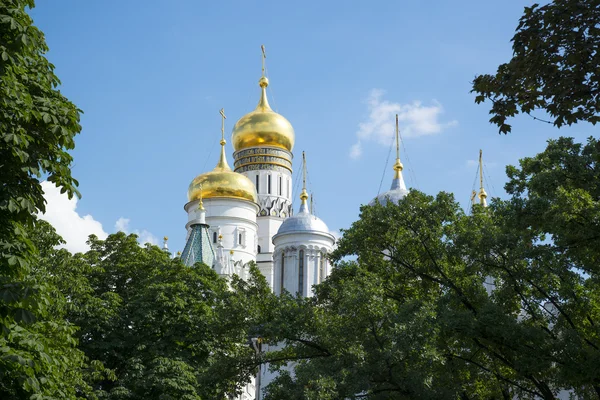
<point>263,142</point>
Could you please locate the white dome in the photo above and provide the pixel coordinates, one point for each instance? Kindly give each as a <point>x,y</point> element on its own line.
<point>303,222</point>
<point>396,193</point>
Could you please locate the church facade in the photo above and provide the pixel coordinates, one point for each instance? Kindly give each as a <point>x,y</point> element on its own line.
<point>242,215</point>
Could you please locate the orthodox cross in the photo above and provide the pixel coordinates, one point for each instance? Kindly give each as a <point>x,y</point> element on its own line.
<point>264,55</point>
<point>480,169</point>
<point>397,140</point>
<point>303,171</point>
<point>223,117</point>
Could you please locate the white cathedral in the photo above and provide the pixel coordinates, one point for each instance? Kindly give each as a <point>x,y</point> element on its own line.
<point>245,214</point>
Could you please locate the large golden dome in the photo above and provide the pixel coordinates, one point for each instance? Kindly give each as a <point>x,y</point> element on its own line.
<point>222,182</point>
<point>263,126</point>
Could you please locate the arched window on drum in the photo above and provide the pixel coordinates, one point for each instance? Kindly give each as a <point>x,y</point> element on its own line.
<point>282,280</point>
<point>321,267</point>
<point>301,272</point>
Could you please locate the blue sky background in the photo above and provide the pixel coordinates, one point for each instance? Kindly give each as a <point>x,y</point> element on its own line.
<point>151,77</point>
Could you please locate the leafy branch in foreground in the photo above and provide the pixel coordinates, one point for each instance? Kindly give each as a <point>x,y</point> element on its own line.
<point>501,303</point>
<point>555,66</point>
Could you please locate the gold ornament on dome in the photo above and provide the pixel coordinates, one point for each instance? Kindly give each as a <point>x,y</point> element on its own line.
<point>263,126</point>
<point>222,181</point>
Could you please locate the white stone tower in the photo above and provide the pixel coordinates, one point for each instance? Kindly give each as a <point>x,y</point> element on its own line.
<point>229,210</point>
<point>263,141</point>
<point>301,247</point>
<point>302,244</point>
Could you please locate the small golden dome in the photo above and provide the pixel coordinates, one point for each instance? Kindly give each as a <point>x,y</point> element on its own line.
<point>263,126</point>
<point>222,182</point>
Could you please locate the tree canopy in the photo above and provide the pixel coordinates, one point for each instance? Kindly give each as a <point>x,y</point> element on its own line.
<point>425,301</point>
<point>150,326</point>
<point>555,66</point>
<point>37,129</point>
<point>440,304</point>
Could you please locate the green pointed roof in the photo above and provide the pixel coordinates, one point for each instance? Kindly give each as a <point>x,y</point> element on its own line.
<point>198,247</point>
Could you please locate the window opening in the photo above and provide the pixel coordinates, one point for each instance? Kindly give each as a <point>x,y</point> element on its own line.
<point>282,272</point>
<point>301,272</point>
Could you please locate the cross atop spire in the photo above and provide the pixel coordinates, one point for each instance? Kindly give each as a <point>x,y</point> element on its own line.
<point>398,167</point>
<point>264,55</point>
<point>397,140</point>
<point>222,164</point>
<point>482,194</point>
<point>303,194</point>
<point>223,118</point>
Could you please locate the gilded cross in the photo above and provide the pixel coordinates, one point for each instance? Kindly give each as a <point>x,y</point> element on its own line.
<point>264,55</point>
<point>223,117</point>
<point>397,140</point>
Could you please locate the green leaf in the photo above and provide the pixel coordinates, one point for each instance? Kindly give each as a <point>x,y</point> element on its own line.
<point>22,315</point>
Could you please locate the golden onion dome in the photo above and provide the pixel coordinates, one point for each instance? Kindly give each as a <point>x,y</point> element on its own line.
<point>222,182</point>
<point>263,126</point>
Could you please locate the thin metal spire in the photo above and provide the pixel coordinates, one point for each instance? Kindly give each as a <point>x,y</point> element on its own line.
<point>397,140</point>
<point>482,194</point>
<point>263,82</point>
<point>398,167</point>
<point>303,194</point>
<point>223,118</point>
<point>303,172</point>
<point>264,56</point>
<point>222,164</point>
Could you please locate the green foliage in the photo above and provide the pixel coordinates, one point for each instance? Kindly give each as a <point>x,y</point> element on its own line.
<point>556,209</point>
<point>37,127</point>
<point>554,67</point>
<point>355,340</point>
<point>502,303</point>
<point>161,329</point>
<point>40,358</point>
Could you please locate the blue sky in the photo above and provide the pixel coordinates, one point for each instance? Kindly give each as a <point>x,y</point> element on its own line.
<point>151,77</point>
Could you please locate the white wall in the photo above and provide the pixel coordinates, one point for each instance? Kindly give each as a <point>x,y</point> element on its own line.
<point>230,218</point>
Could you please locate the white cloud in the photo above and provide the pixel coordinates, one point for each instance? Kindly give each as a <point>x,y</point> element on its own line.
<point>144,236</point>
<point>415,119</point>
<point>356,150</point>
<point>61,212</point>
<point>122,225</point>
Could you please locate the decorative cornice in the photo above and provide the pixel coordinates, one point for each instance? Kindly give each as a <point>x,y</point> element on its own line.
<point>260,158</point>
